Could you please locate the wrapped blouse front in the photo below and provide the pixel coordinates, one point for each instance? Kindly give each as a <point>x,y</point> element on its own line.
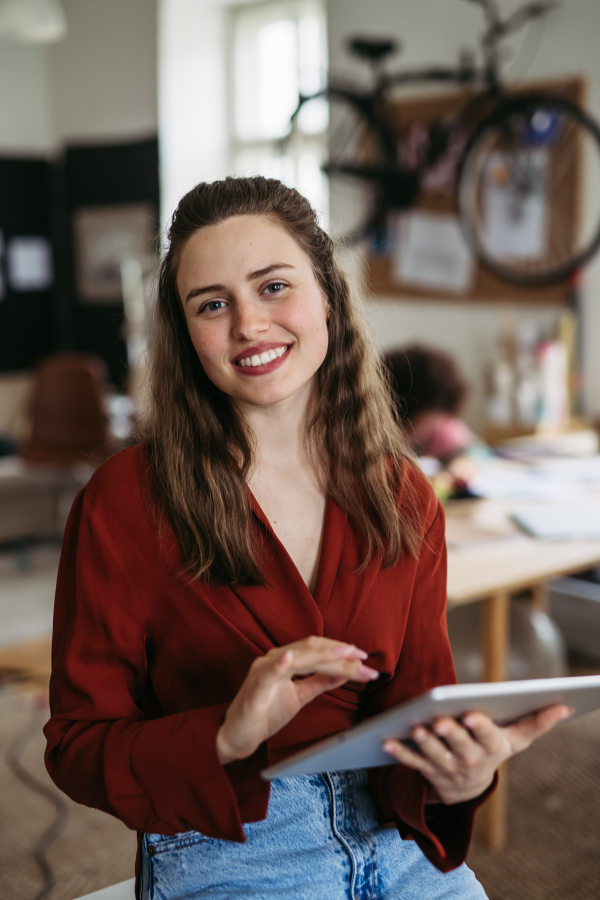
<point>145,663</point>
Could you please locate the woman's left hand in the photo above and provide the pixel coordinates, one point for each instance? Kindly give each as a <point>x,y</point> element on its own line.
<point>459,758</point>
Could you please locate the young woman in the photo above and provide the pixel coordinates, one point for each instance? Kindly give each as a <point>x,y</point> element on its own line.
<point>264,570</point>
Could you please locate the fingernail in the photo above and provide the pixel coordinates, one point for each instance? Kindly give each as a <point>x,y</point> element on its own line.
<point>367,672</point>
<point>342,651</point>
<point>568,713</point>
<point>419,734</point>
<point>388,747</point>
<point>355,653</point>
<point>470,722</point>
<point>441,730</point>
<point>350,650</point>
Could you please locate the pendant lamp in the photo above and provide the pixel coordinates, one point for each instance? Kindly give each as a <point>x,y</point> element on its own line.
<point>32,21</point>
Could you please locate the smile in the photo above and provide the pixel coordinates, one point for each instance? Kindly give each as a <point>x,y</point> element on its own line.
<point>264,358</point>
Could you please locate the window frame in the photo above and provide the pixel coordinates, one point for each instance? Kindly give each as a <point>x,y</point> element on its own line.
<point>245,153</point>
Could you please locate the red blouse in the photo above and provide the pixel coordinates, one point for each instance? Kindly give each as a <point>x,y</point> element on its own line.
<point>145,664</point>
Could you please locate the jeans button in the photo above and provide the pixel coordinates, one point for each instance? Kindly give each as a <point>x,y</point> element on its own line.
<point>151,850</point>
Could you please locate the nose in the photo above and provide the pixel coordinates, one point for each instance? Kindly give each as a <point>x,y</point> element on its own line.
<point>250,319</point>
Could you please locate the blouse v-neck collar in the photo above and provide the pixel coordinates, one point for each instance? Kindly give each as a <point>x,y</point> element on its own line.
<point>334,531</point>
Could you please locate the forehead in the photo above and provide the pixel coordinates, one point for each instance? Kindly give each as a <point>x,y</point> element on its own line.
<point>235,247</point>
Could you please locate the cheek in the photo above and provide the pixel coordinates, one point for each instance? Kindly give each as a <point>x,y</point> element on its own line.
<point>309,321</point>
<point>207,346</point>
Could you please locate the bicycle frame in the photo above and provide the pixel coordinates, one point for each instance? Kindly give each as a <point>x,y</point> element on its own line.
<point>466,73</point>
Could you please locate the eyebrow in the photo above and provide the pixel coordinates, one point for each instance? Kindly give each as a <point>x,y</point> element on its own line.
<point>260,273</point>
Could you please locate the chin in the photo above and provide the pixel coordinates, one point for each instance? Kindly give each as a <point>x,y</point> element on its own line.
<point>266,398</point>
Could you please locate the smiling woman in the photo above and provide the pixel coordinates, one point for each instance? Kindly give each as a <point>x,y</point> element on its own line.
<point>249,270</point>
<point>265,569</point>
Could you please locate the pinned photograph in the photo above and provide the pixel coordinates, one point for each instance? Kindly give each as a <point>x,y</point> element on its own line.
<point>104,237</point>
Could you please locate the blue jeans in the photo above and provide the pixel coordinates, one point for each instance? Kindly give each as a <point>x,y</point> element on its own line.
<point>320,841</point>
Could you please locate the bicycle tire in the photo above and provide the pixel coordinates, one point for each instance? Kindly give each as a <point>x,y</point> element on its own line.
<point>519,189</point>
<point>360,162</point>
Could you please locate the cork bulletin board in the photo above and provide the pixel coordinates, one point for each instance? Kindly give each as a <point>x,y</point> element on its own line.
<point>436,208</point>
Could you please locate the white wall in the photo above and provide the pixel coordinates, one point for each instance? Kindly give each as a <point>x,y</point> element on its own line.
<point>97,84</point>
<point>434,31</point>
<point>105,71</point>
<point>27,123</point>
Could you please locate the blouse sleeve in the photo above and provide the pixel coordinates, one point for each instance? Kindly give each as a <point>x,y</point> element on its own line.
<point>444,832</point>
<point>158,775</point>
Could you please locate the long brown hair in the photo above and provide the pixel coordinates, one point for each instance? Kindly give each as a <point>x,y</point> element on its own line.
<point>200,449</point>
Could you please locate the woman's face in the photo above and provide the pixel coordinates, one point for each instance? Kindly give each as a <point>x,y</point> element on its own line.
<point>254,310</point>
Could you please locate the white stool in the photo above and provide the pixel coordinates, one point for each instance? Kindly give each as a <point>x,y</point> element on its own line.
<point>123,891</point>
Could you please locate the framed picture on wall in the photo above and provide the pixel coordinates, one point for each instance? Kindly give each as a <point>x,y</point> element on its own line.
<point>104,237</point>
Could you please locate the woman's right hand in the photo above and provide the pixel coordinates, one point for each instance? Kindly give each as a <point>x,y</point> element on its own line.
<point>279,684</point>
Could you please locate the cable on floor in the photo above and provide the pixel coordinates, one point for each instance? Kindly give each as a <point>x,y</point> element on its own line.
<point>13,758</point>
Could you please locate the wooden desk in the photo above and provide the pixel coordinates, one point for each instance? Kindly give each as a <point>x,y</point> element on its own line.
<point>488,570</point>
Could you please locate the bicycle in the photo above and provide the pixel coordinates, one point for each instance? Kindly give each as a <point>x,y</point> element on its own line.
<point>517,156</point>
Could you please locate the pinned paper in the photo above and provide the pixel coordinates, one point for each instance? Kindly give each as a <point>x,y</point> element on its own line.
<point>516,204</point>
<point>30,264</point>
<point>430,252</point>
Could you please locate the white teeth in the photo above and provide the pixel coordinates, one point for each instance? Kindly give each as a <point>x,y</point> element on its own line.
<point>263,358</point>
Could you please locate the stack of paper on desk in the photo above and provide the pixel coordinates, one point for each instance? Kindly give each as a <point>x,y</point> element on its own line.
<point>560,521</point>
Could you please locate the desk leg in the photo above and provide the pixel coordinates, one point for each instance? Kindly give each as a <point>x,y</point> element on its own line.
<point>495,624</point>
<point>495,630</point>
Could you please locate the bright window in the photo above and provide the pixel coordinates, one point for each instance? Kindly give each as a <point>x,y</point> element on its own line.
<point>278,52</point>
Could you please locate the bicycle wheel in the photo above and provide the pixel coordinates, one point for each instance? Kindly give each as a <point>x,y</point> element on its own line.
<point>521,182</point>
<point>359,159</point>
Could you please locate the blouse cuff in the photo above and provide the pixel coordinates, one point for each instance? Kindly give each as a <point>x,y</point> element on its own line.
<point>250,789</point>
<point>442,832</point>
<point>451,829</point>
<point>182,771</point>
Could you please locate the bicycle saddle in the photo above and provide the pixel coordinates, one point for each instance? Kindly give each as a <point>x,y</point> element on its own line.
<point>372,50</point>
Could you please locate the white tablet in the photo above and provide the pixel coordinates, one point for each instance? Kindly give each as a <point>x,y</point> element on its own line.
<point>505,701</point>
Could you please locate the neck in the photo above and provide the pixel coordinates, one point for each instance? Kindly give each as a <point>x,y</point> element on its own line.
<point>280,430</point>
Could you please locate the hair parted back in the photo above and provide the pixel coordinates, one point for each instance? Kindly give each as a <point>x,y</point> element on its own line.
<point>200,449</point>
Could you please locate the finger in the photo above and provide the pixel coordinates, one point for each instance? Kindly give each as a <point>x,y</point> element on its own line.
<point>484,730</point>
<point>434,750</point>
<point>309,688</point>
<point>327,645</point>
<point>351,670</point>
<point>326,664</point>
<point>522,734</point>
<point>288,665</point>
<point>458,740</point>
<point>350,651</point>
<point>311,655</point>
<point>408,757</point>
